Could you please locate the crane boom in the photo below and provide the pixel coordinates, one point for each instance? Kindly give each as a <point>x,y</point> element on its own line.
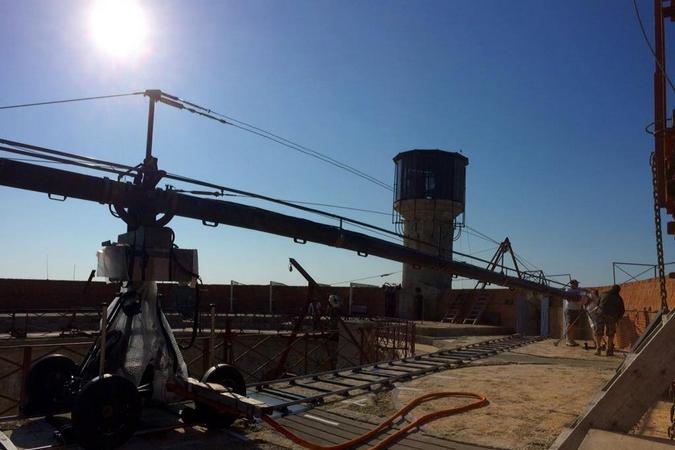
<point>69,184</point>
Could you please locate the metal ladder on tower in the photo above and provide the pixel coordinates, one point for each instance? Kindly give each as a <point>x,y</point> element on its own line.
<point>481,296</point>
<point>480,303</point>
<point>455,308</point>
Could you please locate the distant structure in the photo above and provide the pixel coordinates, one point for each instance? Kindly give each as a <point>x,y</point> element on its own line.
<point>429,198</point>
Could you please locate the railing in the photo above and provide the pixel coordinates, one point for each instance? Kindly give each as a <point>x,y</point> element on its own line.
<point>630,271</point>
<point>388,340</point>
<point>232,339</point>
<point>48,322</point>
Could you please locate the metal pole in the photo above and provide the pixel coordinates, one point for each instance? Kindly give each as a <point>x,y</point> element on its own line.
<point>361,356</point>
<point>212,337</point>
<point>270,297</point>
<point>351,297</point>
<point>228,351</point>
<point>306,339</point>
<point>25,368</point>
<point>102,338</point>
<point>151,124</point>
<point>231,296</point>
<point>424,300</point>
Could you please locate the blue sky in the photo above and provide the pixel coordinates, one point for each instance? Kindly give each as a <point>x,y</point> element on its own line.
<point>547,99</point>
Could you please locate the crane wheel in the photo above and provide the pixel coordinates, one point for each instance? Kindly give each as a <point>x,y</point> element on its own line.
<point>49,386</point>
<point>229,377</point>
<point>106,412</point>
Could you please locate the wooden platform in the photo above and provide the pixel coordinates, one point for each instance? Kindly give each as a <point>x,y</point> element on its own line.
<point>331,428</point>
<point>162,430</point>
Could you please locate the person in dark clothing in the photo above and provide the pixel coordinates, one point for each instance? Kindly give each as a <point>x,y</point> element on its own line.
<point>390,299</point>
<point>314,311</point>
<point>611,309</point>
<point>419,304</point>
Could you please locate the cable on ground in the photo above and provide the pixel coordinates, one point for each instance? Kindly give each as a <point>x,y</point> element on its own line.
<point>481,402</point>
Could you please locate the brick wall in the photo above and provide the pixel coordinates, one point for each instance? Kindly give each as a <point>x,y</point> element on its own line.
<point>48,294</point>
<point>641,300</point>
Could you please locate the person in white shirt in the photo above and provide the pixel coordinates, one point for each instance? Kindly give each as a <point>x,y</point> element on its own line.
<point>572,309</point>
<point>593,312</point>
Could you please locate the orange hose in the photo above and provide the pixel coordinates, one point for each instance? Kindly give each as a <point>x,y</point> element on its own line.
<point>482,401</point>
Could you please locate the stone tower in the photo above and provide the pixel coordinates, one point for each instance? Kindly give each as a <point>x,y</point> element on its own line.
<point>429,196</point>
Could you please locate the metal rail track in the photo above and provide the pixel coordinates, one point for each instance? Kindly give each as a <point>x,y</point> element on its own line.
<point>294,394</point>
<point>312,390</point>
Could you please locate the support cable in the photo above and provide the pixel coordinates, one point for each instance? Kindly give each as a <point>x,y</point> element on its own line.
<point>649,44</point>
<point>179,103</point>
<point>477,233</point>
<point>70,100</point>
<point>384,275</point>
<point>297,202</point>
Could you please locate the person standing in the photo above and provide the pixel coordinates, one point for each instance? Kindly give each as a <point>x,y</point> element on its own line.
<point>419,304</point>
<point>314,312</point>
<point>593,310</point>
<point>572,312</point>
<point>611,310</point>
<point>334,310</point>
<point>390,299</point>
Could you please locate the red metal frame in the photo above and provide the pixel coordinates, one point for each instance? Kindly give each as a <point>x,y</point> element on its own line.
<point>664,135</point>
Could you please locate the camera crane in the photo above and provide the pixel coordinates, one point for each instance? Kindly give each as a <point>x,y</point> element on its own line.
<point>136,357</point>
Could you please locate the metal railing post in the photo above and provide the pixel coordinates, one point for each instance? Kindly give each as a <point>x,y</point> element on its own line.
<point>212,337</point>
<point>363,345</point>
<point>25,368</point>
<point>228,351</point>
<point>351,298</point>
<point>102,338</point>
<point>306,339</point>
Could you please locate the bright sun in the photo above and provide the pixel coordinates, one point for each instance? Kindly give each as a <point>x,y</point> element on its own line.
<point>119,27</point>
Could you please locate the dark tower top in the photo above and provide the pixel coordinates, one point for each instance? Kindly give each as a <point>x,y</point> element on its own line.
<point>430,174</point>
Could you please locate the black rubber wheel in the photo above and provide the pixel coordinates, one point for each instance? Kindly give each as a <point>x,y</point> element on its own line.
<point>227,376</point>
<point>106,412</point>
<point>49,385</point>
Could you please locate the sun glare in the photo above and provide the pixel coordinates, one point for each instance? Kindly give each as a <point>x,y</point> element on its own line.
<point>119,27</point>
